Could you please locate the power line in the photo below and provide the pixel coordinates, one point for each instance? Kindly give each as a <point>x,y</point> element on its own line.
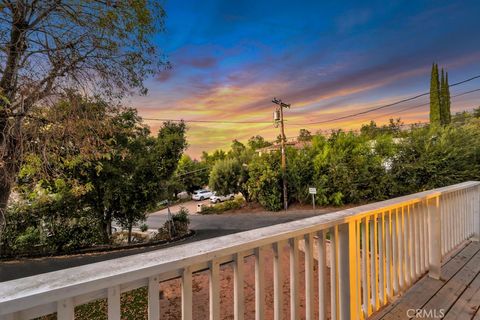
<point>426,104</point>
<point>314,122</point>
<point>389,105</point>
<point>208,121</point>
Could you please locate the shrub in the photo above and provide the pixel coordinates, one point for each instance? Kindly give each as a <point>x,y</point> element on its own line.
<point>224,206</point>
<point>265,183</point>
<point>144,227</point>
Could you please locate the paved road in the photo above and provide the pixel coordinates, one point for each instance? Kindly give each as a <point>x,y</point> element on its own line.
<point>205,226</point>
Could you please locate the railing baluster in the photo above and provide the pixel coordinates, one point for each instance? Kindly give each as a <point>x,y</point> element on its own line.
<point>374,261</point>
<point>388,250</point>
<point>322,275</point>
<point>359,269</point>
<point>294,297</point>
<point>277,281</point>
<point>426,236</point>
<point>259,284</point>
<point>214,290</point>
<point>333,273</point>
<point>187,294</point>
<point>401,256</point>
<point>238,284</point>
<point>381,258</point>
<point>476,213</point>
<point>422,237</point>
<point>345,296</point>
<point>356,311</point>
<point>309,295</point>
<point>395,251</point>
<point>114,303</point>
<point>365,285</point>
<point>435,236</point>
<point>417,243</point>
<point>411,242</point>
<point>406,246</point>
<point>65,309</point>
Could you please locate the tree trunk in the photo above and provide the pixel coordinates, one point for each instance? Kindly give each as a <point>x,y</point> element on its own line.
<point>11,150</point>
<point>130,226</point>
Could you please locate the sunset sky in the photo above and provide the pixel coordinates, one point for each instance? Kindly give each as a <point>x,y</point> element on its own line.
<point>327,58</point>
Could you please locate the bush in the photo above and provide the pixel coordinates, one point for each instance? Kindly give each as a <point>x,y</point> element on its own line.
<point>27,240</point>
<point>181,216</point>
<point>144,227</point>
<point>265,181</point>
<point>224,206</point>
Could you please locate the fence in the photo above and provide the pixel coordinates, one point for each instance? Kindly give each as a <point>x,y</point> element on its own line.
<point>375,252</point>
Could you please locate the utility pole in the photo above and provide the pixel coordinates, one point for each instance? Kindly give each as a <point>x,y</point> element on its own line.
<point>278,119</point>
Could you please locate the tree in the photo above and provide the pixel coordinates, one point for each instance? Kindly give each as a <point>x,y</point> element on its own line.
<point>258,142</point>
<point>191,174</point>
<point>50,46</point>
<point>446,113</point>
<point>225,176</point>
<point>435,117</point>
<point>236,149</point>
<point>304,135</point>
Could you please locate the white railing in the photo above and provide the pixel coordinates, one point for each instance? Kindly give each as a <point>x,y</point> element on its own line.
<point>375,252</point>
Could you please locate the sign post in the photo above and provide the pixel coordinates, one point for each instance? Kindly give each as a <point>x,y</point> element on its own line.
<point>313,192</point>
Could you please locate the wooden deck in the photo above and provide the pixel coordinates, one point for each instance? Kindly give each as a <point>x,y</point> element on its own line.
<point>455,296</point>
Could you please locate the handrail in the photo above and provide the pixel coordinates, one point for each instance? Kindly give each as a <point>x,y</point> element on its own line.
<point>35,291</point>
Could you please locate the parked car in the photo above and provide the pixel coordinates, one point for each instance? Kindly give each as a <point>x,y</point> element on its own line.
<point>201,194</point>
<point>218,198</point>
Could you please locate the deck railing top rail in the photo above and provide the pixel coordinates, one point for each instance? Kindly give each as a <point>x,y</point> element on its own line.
<point>24,293</point>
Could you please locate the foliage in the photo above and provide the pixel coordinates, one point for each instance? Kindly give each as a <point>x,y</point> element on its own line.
<point>264,183</point>
<point>350,168</point>
<point>435,117</point>
<point>143,227</point>
<point>190,175</point>
<point>102,47</point>
<point>304,135</point>
<point>181,216</point>
<point>299,174</point>
<point>435,157</point>
<point>237,203</point>
<point>225,176</point>
<point>372,130</point>
<point>258,142</point>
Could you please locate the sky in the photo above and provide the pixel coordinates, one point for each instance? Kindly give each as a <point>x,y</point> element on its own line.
<point>327,59</point>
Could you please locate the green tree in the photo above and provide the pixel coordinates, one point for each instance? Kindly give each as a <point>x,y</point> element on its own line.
<point>447,115</point>
<point>258,142</point>
<point>304,135</point>
<point>191,174</point>
<point>435,117</point>
<point>265,183</point>
<point>236,149</point>
<point>104,47</point>
<point>225,177</point>
<point>134,181</point>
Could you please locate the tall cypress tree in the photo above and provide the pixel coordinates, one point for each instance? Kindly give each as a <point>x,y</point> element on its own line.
<point>443,99</point>
<point>434,97</point>
<point>447,102</point>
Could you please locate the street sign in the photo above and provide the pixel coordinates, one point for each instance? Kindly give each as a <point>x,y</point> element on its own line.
<point>312,190</point>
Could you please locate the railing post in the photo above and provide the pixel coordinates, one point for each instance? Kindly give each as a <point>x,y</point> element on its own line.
<point>434,237</point>
<point>476,213</point>
<point>344,271</point>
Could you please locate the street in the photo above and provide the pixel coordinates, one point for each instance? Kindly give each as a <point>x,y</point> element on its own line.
<point>205,226</point>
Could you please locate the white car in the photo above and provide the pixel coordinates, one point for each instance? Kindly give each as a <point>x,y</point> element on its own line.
<point>201,194</point>
<point>217,198</point>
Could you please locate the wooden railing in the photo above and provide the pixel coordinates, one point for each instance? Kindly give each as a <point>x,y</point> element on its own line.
<point>375,252</point>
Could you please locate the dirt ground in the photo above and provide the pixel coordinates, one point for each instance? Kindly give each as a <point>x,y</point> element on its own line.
<point>170,302</point>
